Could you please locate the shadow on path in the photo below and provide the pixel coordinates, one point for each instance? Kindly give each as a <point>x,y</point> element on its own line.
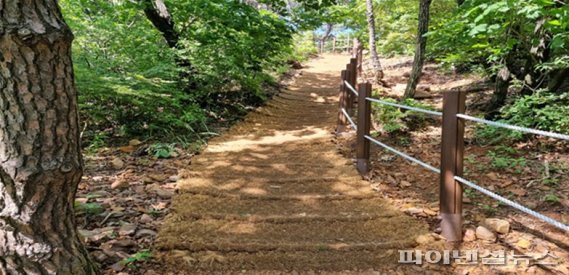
<point>273,194</point>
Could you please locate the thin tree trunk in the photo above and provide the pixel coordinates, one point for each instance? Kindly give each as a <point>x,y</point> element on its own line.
<point>157,13</point>
<point>377,69</point>
<point>500,95</point>
<point>329,28</point>
<point>418,61</point>
<point>40,152</point>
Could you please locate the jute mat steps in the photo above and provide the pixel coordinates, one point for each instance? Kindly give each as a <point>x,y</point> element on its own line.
<point>273,194</point>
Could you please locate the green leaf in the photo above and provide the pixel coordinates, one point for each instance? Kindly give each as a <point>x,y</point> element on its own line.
<point>478,29</point>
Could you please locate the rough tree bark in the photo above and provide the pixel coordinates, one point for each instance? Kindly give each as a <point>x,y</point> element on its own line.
<point>40,152</point>
<point>377,69</point>
<point>418,61</point>
<point>157,13</point>
<point>503,80</point>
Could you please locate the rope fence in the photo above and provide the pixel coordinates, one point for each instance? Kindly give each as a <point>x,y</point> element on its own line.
<point>513,127</point>
<point>349,119</point>
<point>405,107</point>
<point>403,155</point>
<point>452,147</point>
<point>352,89</point>
<point>512,204</point>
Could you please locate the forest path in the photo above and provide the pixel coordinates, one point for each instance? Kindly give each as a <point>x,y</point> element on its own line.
<point>273,194</point>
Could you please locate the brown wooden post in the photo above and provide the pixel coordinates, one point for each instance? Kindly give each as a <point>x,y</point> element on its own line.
<point>452,158</point>
<point>342,120</point>
<point>364,126</point>
<point>349,96</point>
<point>353,79</point>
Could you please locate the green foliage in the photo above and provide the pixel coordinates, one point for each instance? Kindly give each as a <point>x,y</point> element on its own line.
<point>125,105</point>
<point>551,198</point>
<point>115,36</point>
<point>162,150</point>
<point>500,161</point>
<point>139,257</point>
<point>125,75</point>
<point>396,22</point>
<point>129,81</point>
<point>541,110</point>
<point>231,44</point>
<point>505,157</point>
<point>470,193</point>
<point>489,209</point>
<point>491,30</point>
<point>393,119</point>
<point>304,46</point>
<point>89,208</point>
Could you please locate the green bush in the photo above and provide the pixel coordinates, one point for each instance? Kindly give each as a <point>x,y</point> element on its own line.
<point>304,46</point>
<point>541,110</point>
<point>393,119</point>
<point>130,85</point>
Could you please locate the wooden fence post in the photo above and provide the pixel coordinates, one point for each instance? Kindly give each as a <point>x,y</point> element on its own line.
<point>354,63</point>
<point>349,96</point>
<point>452,158</point>
<point>364,126</point>
<point>342,120</point>
<point>353,80</point>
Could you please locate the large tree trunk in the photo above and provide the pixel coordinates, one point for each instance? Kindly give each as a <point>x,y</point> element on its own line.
<point>418,61</point>
<point>377,69</point>
<point>157,13</point>
<point>40,152</point>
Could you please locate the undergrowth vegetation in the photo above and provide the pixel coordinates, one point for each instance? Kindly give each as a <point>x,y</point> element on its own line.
<point>131,84</point>
<point>542,110</point>
<point>395,120</point>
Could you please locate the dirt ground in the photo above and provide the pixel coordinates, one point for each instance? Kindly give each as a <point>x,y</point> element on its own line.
<point>527,172</point>
<point>274,195</point>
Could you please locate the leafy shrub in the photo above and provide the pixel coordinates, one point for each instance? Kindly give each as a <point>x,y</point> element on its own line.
<point>393,119</point>
<point>162,150</point>
<point>551,198</point>
<point>304,46</point>
<point>541,110</point>
<point>128,79</point>
<point>501,161</point>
